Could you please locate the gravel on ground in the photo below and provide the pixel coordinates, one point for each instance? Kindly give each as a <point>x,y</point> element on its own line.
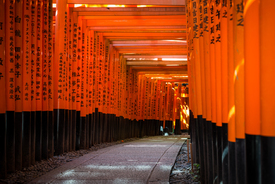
<point>182,170</point>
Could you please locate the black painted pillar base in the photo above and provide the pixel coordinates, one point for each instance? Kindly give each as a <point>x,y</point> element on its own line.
<point>33,135</point>
<point>18,141</point>
<point>225,153</point>
<point>253,158</point>
<point>59,131</point>
<point>3,156</point>
<point>116,132</point>
<point>78,130</point>
<point>231,163</point>
<point>219,153</point>
<point>204,145</point>
<point>104,127</point>
<point>240,161</point>
<point>177,127</point>
<point>26,140</point>
<point>10,141</point>
<point>87,143</point>
<point>70,130</point>
<point>201,148</point>
<point>66,130</point>
<point>96,125</point>
<point>38,137</point>
<point>197,140</point>
<point>83,133</point>
<point>91,130</point>
<point>45,131</point>
<point>209,137</point>
<point>214,152</point>
<point>51,134</point>
<point>268,159</point>
<point>101,127</point>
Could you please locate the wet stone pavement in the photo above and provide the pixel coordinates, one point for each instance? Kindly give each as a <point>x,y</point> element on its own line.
<point>146,160</point>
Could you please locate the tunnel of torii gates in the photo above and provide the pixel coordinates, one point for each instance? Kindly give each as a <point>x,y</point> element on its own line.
<point>75,73</point>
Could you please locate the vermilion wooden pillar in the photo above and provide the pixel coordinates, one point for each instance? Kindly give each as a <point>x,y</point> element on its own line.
<point>207,77</point>
<point>213,84</point>
<point>45,82</point>
<point>3,124</point>
<point>224,89</point>
<point>26,139</point>
<point>238,37</point>
<point>33,75</point>
<point>10,83</point>
<point>267,88</point>
<point>50,81</point>
<point>18,83</point>
<point>231,98</point>
<point>38,82</point>
<point>59,67</point>
<point>218,70</point>
<point>252,91</point>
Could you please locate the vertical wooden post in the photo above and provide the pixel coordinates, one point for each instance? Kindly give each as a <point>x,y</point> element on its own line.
<point>3,124</point>
<point>208,126</point>
<point>238,37</point>
<point>267,88</point>
<point>252,91</point>
<point>74,77</point>
<point>45,77</point>
<point>60,58</point>
<point>231,97</point>
<point>212,29</point>
<point>10,83</point>
<point>224,89</point>
<point>187,150</point>
<point>26,34</point>
<point>83,86</point>
<point>18,83</point>
<point>38,91</point>
<point>91,103</point>
<point>33,75</point>
<point>50,81</point>
<point>78,80</point>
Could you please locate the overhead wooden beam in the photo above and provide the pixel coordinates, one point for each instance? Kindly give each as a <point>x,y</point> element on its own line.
<point>152,50</point>
<point>113,38</point>
<point>144,34</point>
<point>130,2</point>
<point>160,68</point>
<point>134,22</point>
<point>143,43</point>
<point>176,72</point>
<point>115,13</point>
<point>152,47</point>
<point>174,80</point>
<point>138,28</point>
<point>182,17</point>
<point>154,56</point>
<point>155,63</point>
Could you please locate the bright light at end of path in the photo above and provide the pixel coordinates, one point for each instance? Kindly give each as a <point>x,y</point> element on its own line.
<point>174,59</point>
<point>173,65</point>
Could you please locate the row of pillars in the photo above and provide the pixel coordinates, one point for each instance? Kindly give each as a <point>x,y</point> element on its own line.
<point>231,68</point>
<point>64,87</point>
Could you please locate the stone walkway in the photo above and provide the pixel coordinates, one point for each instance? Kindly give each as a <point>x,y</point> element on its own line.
<point>147,160</point>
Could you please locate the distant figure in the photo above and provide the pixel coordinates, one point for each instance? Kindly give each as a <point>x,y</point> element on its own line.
<point>166,131</point>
